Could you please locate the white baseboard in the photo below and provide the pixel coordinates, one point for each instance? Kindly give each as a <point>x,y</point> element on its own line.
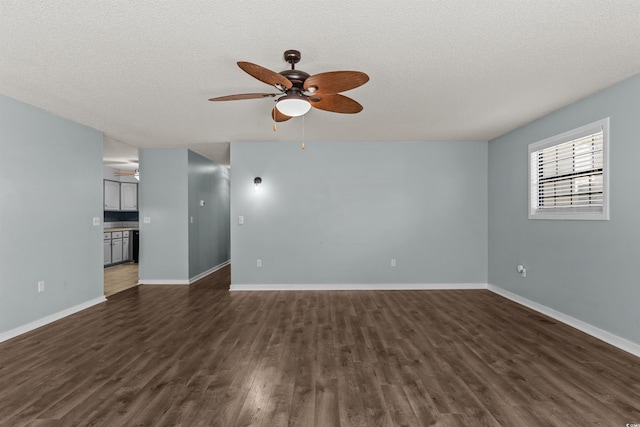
<point>49,319</point>
<point>587,328</point>
<point>163,282</point>
<point>209,271</point>
<point>358,287</point>
<point>182,281</point>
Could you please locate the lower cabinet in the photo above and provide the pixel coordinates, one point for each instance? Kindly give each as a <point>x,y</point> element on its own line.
<point>117,247</point>
<point>116,251</point>
<point>107,248</point>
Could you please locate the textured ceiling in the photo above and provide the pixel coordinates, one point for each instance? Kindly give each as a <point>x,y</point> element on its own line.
<point>142,71</point>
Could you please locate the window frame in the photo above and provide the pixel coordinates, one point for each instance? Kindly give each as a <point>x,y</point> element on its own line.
<point>588,129</point>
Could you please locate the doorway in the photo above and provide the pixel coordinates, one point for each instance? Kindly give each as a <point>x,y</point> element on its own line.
<point>119,278</point>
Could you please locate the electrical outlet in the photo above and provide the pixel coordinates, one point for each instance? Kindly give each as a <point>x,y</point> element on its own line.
<point>41,286</point>
<point>147,220</point>
<point>393,262</point>
<point>522,270</point>
<point>96,220</point>
<point>259,263</point>
<point>240,220</point>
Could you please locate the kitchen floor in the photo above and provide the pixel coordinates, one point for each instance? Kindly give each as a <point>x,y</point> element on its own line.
<point>119,278</point>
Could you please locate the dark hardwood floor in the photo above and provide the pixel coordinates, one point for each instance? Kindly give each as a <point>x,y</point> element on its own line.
<point>202,356</point>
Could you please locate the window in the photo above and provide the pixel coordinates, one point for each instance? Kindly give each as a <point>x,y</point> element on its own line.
<point>568,174</point>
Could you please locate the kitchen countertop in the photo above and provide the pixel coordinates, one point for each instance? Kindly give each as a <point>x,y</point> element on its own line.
<point>109,230</point>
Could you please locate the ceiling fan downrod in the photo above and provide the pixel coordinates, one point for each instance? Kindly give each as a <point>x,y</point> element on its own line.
<point>292,56</point>
<point>296,77</point>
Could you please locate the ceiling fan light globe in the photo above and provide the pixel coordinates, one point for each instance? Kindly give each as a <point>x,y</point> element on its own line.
<point>293,106</point>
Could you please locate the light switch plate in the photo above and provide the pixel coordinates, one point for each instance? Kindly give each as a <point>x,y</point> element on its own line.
<point>240,220</point>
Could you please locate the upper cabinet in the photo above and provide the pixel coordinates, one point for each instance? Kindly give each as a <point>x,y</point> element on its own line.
<point>120,196</point>
<point>128,196</point>
<point>111,195</point>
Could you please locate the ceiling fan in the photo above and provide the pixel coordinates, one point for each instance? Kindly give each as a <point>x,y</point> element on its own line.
<point>300,91</point>
<point>135,174</point>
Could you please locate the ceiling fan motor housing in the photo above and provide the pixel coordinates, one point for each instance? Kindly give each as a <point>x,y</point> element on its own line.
<point>297,77</point>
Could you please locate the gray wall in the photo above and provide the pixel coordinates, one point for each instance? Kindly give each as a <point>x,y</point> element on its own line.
<point>209,230</point>
<point>50,190</point>
<point>172,183</point>
<point>162,197</point>
<point>585,269</point>
<point>337,213</point>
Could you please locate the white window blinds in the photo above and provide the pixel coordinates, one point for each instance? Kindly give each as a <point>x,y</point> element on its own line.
<point>568,175</point>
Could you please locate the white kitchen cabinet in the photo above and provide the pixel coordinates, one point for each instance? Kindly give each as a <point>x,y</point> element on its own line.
<point>116,250</point>
<point>107,248</point>
<point>111,195</point>
<point>117,247</point>
<point>128,196</point>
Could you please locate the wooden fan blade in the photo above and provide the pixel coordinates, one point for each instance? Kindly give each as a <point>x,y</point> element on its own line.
<point>335,81</point>
<point>265,75</point>
<point>242,96</point>
<point>278,116</point>
<point>336,103</point>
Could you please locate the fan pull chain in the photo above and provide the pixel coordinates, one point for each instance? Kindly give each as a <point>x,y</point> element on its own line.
<point>303,132</point>
<point>273,116</point>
